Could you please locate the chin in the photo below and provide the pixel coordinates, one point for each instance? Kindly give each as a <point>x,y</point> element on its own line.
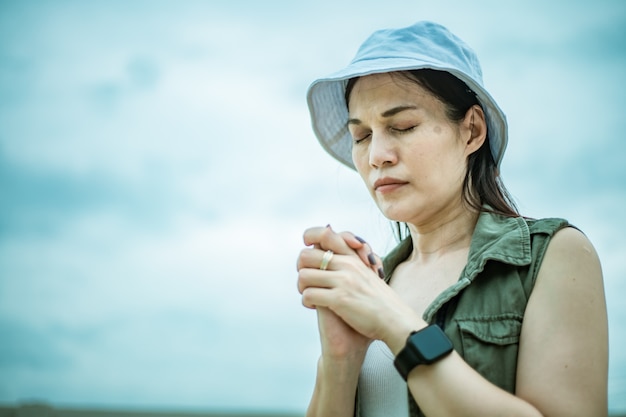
<point>408,212</point>
<point>394,214</point>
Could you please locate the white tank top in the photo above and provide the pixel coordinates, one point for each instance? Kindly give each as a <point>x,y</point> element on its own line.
<point>382,391</point>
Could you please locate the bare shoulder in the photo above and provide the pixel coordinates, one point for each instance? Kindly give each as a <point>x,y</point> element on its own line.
<point>570,285</point>
<point>570,259</point>
<point>571,245</point>
<point>563,357</point>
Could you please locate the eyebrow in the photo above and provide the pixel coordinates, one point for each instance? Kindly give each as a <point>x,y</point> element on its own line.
<point>386,114</point>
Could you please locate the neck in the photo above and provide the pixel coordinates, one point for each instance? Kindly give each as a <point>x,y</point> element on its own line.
<point>445,234</point>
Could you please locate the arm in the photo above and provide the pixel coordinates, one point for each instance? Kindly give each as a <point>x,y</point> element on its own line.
<point>337,373</point>
<point>562,362</point>
<point>343,349</point>
<point>359,301</point>
<point>563,356</point>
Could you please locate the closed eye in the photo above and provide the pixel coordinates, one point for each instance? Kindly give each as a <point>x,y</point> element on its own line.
<point>361,139</point>
<point>406,130</point>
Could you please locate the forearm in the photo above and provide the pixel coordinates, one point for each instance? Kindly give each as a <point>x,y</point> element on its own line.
<point>451,387</point>
<point>335,388</point>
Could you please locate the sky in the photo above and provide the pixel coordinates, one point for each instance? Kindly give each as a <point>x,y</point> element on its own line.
<point>158,169</point>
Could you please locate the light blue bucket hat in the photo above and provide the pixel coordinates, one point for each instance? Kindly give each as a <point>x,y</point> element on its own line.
<point>420,46</point>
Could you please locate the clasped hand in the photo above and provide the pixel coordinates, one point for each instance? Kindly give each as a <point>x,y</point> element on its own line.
<point>354,304</point>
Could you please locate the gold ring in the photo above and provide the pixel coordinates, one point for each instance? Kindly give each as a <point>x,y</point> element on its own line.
<point>326,259</point>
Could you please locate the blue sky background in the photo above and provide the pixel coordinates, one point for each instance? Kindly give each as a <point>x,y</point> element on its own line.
<point>157,169</point>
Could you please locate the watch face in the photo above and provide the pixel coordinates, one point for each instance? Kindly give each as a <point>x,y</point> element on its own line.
<point>431,343</point>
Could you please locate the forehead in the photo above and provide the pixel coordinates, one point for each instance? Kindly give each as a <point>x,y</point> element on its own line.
<point>377,91</point>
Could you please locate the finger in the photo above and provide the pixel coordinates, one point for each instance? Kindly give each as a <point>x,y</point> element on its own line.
<point>326,238</point>
<point>373,260</point>
<point>353,240</point>
<point>314,278</point>
<point>364,250</point>
<point>314,297</point>
<point>378,267</point>
<point>315,259</point>
<point>305,259</point>
<point>312,235</point>
<point>366,255</point>
<point>359,245</point>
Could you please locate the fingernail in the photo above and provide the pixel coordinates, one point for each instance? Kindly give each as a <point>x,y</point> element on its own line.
<point>360,239</point>
<point>371,259</point>
<point>381,273</point>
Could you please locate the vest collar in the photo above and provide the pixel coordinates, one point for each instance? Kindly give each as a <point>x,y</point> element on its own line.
<point>496,237</point>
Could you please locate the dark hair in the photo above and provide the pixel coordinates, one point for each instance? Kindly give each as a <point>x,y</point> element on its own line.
<point>483,189</point>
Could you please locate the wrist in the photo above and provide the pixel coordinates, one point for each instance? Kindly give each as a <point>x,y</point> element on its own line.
<point>335,388</point>
<point>423,347</point>
<point>334,374</point>
<point>337,366</point>
<point>397,336</point>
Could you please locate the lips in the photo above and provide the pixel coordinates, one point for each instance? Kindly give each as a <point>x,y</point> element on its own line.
<point>388,184</point>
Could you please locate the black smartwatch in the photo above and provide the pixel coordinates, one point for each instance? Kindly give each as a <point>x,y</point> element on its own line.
<point>423,347</point>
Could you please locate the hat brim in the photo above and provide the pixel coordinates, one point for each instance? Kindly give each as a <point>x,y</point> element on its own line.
<point>329,112</point>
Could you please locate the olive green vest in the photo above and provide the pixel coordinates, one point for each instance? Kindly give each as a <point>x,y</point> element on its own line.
<point>482,312</point>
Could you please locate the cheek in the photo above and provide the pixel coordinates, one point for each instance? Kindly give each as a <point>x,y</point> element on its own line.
<point>360,158</point>
<point>447,145</point>
<point>435,166</point>
<point>361,163</point>
<point>423,158</point>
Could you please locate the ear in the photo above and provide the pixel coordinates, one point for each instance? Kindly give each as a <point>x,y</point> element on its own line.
<point>474,129</point>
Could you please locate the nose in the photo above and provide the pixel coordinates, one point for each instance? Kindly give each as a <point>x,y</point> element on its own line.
<point>382,151</point>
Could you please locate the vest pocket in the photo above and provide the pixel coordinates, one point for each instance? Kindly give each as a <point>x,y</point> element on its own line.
<point>489,345</point>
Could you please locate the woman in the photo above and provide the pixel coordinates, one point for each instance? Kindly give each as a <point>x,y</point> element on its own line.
<point>481,312</point>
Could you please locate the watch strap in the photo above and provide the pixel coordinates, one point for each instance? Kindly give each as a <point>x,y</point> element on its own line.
<point>407,359</point>
<point>423,347</point>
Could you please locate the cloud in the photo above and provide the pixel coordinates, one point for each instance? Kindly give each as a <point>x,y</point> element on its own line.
<point>158,170</point>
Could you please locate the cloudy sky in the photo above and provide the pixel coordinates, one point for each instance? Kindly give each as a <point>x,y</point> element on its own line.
<point>157,169</point>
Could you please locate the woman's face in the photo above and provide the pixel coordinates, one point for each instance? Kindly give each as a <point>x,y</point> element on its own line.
<point>410,155</point>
